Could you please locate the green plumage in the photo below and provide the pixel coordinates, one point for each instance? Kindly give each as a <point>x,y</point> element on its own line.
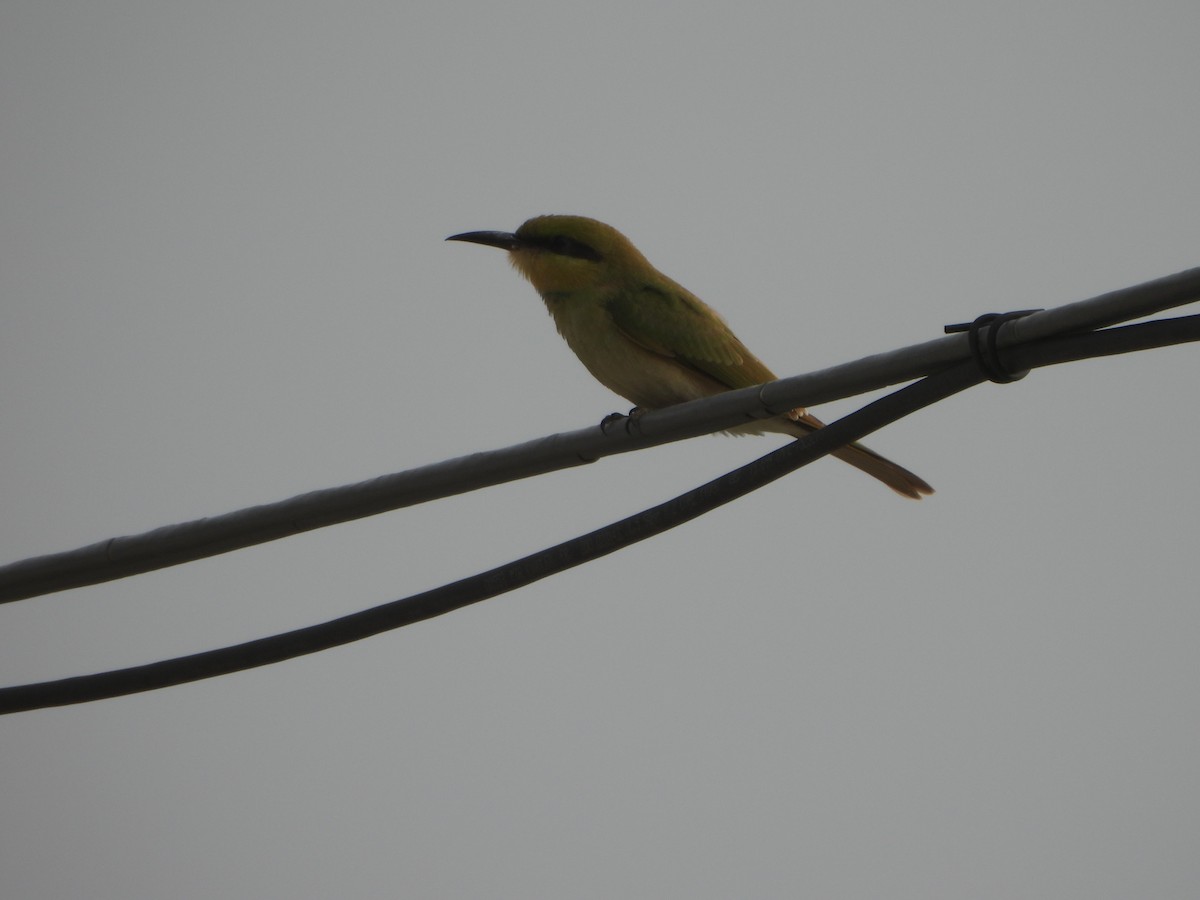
<point>646,337</point>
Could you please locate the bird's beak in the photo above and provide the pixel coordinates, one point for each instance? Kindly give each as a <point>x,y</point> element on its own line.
<point>503,239</point>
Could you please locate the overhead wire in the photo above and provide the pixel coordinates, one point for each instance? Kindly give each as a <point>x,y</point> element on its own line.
<point>603,541</point>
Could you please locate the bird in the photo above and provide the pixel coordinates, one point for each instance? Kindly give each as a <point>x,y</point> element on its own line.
<point>646,337</point>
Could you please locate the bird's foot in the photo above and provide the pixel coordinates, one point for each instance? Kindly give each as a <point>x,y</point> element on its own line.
<point>609,421</point>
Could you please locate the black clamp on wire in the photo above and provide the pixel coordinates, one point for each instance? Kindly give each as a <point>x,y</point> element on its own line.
<point>987,356</point>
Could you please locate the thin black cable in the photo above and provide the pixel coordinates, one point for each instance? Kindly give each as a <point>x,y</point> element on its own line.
<point>1106,342</point>
<point>435,602</point>
<point>598,543</point>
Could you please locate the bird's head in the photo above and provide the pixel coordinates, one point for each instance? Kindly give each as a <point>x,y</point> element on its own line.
<point>564,254</point>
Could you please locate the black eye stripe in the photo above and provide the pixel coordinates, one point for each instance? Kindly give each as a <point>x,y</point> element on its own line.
<point>564,246</point>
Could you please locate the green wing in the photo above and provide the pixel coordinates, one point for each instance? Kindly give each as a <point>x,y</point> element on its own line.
<point>672,322</point>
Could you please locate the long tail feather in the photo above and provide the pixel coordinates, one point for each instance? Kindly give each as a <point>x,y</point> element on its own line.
<point>898,478</point>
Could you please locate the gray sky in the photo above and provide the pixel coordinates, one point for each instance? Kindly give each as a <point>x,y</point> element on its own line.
<point>223,283</point>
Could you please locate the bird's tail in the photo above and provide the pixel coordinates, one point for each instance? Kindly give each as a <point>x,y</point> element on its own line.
<point>898,478</point>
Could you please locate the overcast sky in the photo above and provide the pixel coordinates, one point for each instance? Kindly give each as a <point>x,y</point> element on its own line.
<point>223,282</point>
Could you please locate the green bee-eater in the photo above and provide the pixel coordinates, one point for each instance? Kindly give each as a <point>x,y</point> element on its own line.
<point>646,337</point>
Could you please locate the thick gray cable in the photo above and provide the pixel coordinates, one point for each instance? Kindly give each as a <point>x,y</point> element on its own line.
<point>590,546</point>
<point>173,544</point>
